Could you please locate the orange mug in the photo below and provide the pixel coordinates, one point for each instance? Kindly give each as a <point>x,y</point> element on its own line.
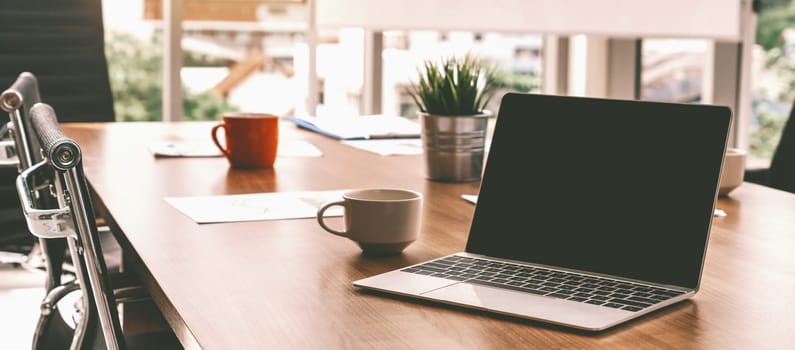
<point>251,139</point>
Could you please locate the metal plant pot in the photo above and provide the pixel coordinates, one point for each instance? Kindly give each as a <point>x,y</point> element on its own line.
<point>454,146</point>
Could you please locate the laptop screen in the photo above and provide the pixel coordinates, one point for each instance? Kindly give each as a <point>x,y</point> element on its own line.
<point>624,188</point>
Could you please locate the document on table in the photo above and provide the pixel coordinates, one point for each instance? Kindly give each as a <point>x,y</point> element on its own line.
<point>394,147</point>
<point>256,206</point>
<point>388,147</point>
<point>471,198</point>
<point>365,127</point>
<point>287,148</point>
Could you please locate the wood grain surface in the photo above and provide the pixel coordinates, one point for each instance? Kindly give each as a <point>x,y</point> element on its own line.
<point>287,283</point>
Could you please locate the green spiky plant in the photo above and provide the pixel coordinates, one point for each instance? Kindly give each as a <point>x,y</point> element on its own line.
<point>454,86</point>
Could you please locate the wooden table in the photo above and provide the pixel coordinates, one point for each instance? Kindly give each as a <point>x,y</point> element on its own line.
<point>287,283</point>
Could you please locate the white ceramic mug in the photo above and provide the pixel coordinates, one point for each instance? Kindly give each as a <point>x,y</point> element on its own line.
<point>733,170</point>
<point>379,220</point>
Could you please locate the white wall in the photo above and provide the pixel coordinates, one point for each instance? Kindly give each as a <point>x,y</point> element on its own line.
<point>715,19</point>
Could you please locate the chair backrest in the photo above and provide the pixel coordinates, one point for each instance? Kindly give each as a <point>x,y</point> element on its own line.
<point>17,100</point>
<point>73,220</point>
<point>63,43</point>
<point>782,166</point>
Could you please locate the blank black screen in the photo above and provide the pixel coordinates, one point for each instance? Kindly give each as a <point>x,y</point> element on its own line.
<point>625,188</point>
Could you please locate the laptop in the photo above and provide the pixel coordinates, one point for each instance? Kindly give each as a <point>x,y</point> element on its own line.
<point>591,212</point>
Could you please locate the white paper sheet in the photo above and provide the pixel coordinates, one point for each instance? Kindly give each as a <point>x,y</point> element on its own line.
<point>256,206</point>
<point>394,147</point>
<point>377,126</point>
<point>287,148</point>
<point>471,198</point>
<point>388,147</point>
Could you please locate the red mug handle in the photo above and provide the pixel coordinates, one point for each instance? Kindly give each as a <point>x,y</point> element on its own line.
<point>214,134</point>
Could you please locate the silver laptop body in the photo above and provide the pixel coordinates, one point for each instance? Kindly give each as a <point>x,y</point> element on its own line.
<point>591,212</point>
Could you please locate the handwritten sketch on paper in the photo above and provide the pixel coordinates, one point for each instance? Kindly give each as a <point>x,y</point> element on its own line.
<point>256,206</point>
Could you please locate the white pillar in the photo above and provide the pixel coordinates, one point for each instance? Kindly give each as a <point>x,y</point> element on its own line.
<point>312,83</point>
<point>588,66</point>
<point>742,124</point>
<point>172,60</point>
<point>623,68</point>
<point>722,80</point>
<point>373,77</point>
<point>555,60</point>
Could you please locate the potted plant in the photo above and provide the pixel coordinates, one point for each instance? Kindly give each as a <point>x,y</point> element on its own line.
<point>451,95</point>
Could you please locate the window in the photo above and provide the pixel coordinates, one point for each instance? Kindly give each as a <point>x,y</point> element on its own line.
<point>252,55</point>
<point>773,80</point>
<point>673,69</point>
<point>254,58</point>
<point>517,59</point>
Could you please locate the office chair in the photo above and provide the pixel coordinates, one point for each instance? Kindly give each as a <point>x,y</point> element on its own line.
<point>781,173</point>
<point>98,325</point>
<point>18,100</point>
<point>62,42</point>
<point>46,254</point>
<point>16,245</point>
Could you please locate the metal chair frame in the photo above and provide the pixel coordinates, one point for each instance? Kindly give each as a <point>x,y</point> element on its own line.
<point>62,172</point>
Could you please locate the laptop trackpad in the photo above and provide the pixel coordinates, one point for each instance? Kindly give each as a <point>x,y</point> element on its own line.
<point>580,315</point>
<point>403,282</point>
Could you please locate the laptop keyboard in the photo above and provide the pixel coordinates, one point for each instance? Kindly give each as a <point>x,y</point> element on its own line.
<point>552,283</point>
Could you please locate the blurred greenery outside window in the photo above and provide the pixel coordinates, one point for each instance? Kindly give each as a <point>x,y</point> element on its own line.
<point>135,67</point>
<point>773,88</point>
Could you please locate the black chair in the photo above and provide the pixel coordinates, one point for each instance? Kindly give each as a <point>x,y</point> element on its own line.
<point>62,42</point>
<point>781,173</point>
<point>48,255</point>
<point>17,100</point>
<point>98,325</point>
<point>16,245</point>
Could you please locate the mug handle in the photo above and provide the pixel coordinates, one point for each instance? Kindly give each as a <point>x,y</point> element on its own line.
<point>320,221</point>
<point>214,134</point>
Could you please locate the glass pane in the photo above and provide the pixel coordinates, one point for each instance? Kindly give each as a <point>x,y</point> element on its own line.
<point>516,57</point>
<point>236,56</point>
<point>134,53</point>
<point>240,56</point>
<point>772,79</point>
<point>673,70</point>
<point>341,65</point>
<point>254,58</point>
